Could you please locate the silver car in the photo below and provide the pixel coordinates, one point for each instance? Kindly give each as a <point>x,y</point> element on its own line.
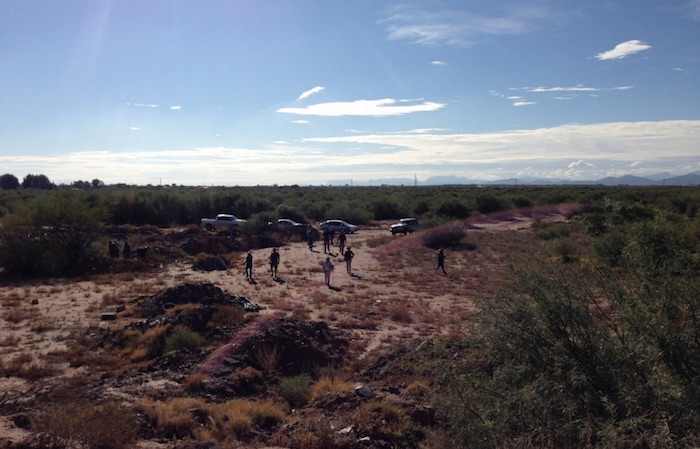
<point>338,226</point>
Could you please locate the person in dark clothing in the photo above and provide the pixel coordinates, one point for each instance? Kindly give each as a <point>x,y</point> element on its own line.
<point>342,239</point>
<point>347,256</point>
<point>274,262</point>
<point>326,241</point>
<point>249,265</point>
<point>441,261</point>
<point>127,250</point>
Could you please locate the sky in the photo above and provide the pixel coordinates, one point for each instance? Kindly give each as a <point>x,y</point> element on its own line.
<point>312,92</point>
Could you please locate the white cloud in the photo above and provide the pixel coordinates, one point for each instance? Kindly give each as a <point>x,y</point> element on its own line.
<point>142,105</point>
<point>175,108</point>
<point>310,92</point>
<point>597,149</point>
<point>580,163</point>
<point>577,88</point>
<point>623,50</point>
<point>438,63</point>
<point>374,108</point>
<point>523,103</point>
<point>300,122</point>
<point>134,128</point>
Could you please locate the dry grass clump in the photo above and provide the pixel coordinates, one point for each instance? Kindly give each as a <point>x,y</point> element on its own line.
<point>418,389</point>
<point>267,357</point>
<point>106,426</point>
<point>329,385</point>
<point>400,313</point>
<point>25,367</point>
<point>381,418</point>
<point>227,315</point>
<point>146,345</point>
<point>16,315</point>
<point>194,418</point>
<point>173,418</point>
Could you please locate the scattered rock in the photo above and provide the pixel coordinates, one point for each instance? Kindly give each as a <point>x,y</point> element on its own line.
<point>216,263</point>
<point>363,391</point>
<point>108,316</point>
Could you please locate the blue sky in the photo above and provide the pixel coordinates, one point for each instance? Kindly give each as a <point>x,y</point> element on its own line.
<point>247,92</point>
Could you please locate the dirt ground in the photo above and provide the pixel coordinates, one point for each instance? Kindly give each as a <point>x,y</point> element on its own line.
<point>393,293</point>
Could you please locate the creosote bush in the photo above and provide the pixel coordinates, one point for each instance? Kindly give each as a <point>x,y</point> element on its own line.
<point>582,358</point>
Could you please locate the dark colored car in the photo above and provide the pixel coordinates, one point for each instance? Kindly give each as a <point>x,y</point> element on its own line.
<point>404,226</point>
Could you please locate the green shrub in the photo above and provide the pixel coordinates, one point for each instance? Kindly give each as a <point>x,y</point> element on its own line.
<point>296,390</point>
<point>574,358</point>
<point>182,338</point>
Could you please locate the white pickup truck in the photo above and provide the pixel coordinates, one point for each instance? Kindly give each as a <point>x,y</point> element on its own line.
<point>222,222</point>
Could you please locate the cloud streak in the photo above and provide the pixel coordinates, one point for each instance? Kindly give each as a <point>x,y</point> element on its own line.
<point>370,108</point>
<point>458,28</point>
<point>623,50</point>
<point>573,151</point>
<point>310,92</point>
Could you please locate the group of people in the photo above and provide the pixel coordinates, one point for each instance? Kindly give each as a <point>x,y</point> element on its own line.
<point>114,249</point>
<point>327,267</point>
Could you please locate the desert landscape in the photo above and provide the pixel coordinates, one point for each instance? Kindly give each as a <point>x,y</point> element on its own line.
<point>63,340</point>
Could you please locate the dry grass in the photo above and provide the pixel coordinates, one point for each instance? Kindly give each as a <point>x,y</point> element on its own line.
<point>181,417</point>
<point>268,357</point>
<point>329,385</point>
<point>25,367</point>
<point>107,426</point>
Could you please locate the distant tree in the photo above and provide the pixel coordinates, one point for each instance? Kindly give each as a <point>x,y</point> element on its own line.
<point>9,182</point>
<point>97,183</point>
<point>37,182</point>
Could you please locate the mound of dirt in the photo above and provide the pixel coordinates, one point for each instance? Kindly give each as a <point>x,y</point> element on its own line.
<point>284,345</point>
<point>203,293</point>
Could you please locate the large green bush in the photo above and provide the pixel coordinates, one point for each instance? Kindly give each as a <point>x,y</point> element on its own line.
<point>573,357</point>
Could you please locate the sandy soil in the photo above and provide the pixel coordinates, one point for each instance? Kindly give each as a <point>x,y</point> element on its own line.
<point>393,293</point>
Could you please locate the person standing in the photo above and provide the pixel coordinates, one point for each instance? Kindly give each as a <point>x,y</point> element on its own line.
<point>327,270</point>
<point>326,241</point>
<point>347,256</point>
<point>342,239</point>
<point>310,237</point>
<point>127,250</point>
<point>274,262</point>
<point>441,261</point>
<point>249,265</point>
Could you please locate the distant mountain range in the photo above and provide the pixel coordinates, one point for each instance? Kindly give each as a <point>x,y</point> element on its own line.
<point>659,179</point>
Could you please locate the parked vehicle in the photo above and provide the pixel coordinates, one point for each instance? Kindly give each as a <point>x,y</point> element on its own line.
<point>338,226</point>
<point>286,223</point>
<point>222,222</point>
<point>404,226</point>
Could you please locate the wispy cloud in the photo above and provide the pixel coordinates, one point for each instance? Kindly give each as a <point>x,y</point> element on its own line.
<point>143,105</point>
<point>458,28</point>
<point>175,108</point>
<point>300,122</point>
<point>310,92</point>
<point>438,63</point>
<point>577,88</point>
<point>694,7</point>
<point>524,103</point>
<point>623,50</point>
<point>374,108</point>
